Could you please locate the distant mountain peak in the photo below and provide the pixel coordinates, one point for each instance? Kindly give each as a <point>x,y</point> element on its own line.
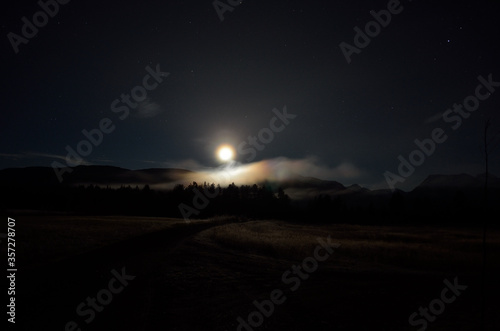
<point>357,188</point>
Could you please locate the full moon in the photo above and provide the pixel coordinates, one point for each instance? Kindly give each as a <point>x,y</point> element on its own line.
<point>225,153</point>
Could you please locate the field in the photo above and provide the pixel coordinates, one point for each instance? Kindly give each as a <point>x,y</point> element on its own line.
<point>212,275</point>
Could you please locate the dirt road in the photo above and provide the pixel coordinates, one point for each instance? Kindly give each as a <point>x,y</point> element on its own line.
<point>48,297</point>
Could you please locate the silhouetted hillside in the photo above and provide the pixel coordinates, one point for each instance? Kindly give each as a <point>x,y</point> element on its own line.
<point>113,190</point>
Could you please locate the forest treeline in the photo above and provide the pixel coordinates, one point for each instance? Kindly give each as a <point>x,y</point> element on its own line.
<point>253,201</point>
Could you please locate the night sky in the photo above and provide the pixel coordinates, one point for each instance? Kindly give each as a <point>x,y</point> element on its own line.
<point>221,80</point>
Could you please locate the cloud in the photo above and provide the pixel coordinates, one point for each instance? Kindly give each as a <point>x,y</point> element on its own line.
<point>14,156</point>
<point>148,109</point>
<point>188,164</point>
<point>434,118</point>
<point>278,169</point>
<point>60,157</point>
<point>25,155</point>
<point>105,161</point>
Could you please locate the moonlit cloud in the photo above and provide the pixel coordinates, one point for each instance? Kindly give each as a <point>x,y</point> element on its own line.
<point>277,169</point>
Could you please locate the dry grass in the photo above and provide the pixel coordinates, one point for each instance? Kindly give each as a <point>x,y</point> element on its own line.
<point>44,239</point>
<point>422,249</point>
<point>276,239</point>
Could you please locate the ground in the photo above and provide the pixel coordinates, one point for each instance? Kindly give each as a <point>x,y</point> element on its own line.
<point>206,274</point>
